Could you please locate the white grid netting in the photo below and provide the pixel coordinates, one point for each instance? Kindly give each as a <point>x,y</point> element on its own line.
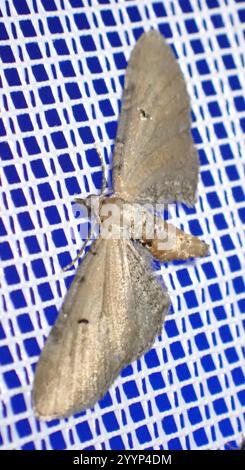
<point>62,69</point>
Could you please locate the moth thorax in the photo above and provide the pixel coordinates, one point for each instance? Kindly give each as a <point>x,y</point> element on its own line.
<point>124,220</point>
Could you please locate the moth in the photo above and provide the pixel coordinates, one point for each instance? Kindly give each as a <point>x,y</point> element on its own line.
<point>115,306</point>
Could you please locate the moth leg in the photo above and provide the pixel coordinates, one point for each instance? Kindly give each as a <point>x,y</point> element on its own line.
<point>104,182</point>
<point>95,220</point>
<point>80,251</point>
<point>85,202</point>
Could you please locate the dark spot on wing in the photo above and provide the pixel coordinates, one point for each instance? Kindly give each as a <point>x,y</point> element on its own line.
<point>144,115</point>
<point>83,320</point>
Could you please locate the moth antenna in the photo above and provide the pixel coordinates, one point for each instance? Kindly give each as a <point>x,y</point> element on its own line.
<point>84,201</point>
<point>104,182</point>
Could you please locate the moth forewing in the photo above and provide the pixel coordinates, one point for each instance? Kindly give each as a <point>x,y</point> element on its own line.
<point>110,316</point>
<point>154,158</point>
